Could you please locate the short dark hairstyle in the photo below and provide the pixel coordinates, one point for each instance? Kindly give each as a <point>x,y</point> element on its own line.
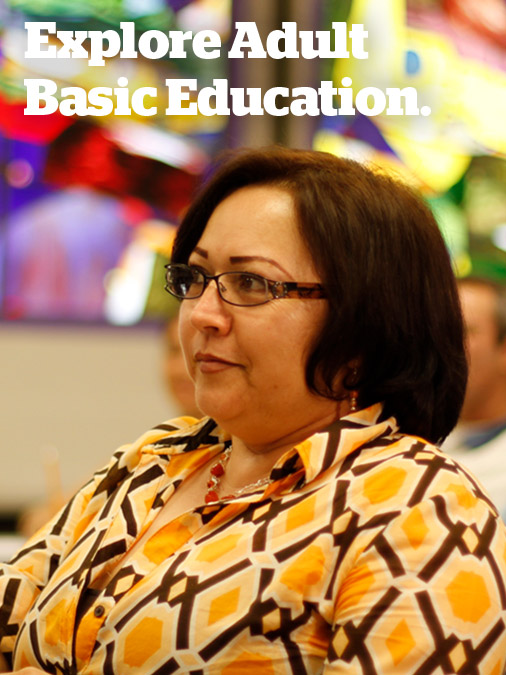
<point>393,300</point>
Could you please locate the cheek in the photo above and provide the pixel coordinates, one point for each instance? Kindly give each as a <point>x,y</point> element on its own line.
<point>308,323</point>
<point>291,335</point>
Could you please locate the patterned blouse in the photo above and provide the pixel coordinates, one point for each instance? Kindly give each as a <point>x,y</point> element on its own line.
<point>370,552</point>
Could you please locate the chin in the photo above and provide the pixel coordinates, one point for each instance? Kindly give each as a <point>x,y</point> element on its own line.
<point>219,408</point>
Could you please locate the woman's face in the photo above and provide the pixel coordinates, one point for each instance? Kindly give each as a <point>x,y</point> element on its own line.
<point>248,363</point>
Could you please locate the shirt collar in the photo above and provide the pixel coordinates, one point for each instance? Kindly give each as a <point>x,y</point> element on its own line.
<point>331,446</point>
<point>318,453</point>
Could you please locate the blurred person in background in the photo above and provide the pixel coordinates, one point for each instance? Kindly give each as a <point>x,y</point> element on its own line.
<point>180,386</point>
<point>479,439</point>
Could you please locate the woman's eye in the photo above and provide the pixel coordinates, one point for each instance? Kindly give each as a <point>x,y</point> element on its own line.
<point>188,279</point>
<point>251,283</point>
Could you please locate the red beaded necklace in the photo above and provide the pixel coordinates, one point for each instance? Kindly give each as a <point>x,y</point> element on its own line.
<point>216,473</point>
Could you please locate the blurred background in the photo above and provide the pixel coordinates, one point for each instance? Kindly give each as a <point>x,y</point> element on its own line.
<point>89,206</point>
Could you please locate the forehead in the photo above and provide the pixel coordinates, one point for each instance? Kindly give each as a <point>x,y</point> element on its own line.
<point>252,211</point>
<point>258,220</point>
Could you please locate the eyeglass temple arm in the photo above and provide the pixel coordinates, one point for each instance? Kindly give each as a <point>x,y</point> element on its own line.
<point>291,289</point>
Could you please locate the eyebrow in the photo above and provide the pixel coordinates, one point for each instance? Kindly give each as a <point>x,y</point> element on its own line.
<point>238,259</point>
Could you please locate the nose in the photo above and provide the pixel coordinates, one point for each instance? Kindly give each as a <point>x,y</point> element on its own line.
<point>210,312</point>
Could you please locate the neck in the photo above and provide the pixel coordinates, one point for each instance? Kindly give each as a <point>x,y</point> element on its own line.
<point>250,461</point>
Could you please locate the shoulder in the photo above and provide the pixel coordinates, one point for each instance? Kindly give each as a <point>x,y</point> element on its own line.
<point>408,470</point>
<point>486,463</point>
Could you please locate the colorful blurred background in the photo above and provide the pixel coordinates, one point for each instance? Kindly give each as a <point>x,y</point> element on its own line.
<point>89,206</point>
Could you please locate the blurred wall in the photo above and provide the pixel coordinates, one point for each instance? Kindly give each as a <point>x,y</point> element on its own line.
<point>81,390</point>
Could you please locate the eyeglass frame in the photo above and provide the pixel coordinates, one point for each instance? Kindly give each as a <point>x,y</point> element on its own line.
<point>278,289</point>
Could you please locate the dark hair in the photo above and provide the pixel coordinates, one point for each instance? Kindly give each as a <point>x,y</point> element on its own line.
<point>393,301</point>
<point>499,291</point>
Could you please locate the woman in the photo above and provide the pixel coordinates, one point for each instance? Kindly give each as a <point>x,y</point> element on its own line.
<point>308,525</point>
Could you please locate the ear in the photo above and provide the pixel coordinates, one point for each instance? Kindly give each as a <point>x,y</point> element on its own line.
<point>352,374</point>
<point>353,366</point>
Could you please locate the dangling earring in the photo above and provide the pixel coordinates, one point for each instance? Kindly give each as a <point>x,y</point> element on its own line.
<point>353,400</point>
<point>354,394</point>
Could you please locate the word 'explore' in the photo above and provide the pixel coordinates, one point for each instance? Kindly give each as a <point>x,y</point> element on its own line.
<point>285,43</point>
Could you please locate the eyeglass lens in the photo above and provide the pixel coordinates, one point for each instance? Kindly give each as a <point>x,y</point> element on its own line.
<point>239,288</point>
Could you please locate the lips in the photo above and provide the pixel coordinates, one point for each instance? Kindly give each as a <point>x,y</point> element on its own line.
<point>210,363</point>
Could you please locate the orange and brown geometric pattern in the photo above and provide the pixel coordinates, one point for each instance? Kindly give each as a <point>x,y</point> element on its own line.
<point>370,552</point>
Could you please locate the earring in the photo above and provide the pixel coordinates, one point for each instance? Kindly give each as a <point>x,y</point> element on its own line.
<point>354,394</point>
<point>353,400</point>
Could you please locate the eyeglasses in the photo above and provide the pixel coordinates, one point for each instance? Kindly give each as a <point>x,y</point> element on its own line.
<point>237,288</point>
